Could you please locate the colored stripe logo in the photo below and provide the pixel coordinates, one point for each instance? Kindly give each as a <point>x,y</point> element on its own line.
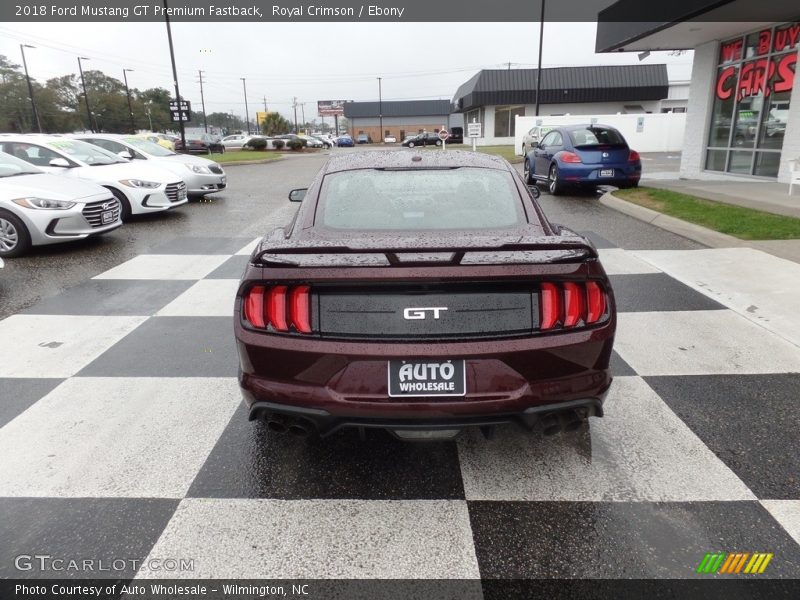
<point>734,562</point>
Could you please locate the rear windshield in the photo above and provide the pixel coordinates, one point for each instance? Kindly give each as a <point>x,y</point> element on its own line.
<point>420,199</point>
<point>596,136</point>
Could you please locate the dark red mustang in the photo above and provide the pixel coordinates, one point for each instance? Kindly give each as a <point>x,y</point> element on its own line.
<point>423,292</point>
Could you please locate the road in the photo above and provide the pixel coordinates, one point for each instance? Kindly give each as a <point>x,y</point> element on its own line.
<point>123,434</point>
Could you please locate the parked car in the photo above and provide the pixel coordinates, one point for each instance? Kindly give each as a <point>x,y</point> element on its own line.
<point>37,208</point>
<point>311,141</point>
<point>426,138</point>
<point>390,139</point>
<point>326,143</point>
<point>363,138</point>
<point>139,188</point>
<point>238,140</point>
<point>204,143</point>
<point>532,137</point>
<point>201,176</point>
<point>422,304</point>
<point>582,156</point>
<point>162,139</point>
<point>345,141</point>
<point>456,135</point>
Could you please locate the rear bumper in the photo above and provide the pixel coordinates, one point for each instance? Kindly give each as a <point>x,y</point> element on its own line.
<point>591,174</point>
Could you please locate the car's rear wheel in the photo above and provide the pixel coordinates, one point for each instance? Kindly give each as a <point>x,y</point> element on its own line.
<point>438,142</point>
<point>526,173</point>
<point>523,150</point>
<point>410,144</point>
<point>124,205</point>
<point>554,184</point>
<point>14,237</point>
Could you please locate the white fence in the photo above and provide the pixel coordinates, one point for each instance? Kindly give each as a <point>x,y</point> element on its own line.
<point>662,132</point>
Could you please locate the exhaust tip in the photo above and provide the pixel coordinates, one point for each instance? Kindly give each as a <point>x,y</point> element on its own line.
<point>298,430</point>
<point>572,421</point>
<point>551,424</point>
<point>276,423</point>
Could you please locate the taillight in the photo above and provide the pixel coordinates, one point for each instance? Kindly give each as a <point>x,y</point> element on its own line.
<point>570,157</point>
<point>279,307</point>
<point>633,156</point>
<point>571,304</point>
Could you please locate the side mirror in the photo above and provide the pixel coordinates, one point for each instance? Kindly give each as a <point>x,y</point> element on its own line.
<point>59,162</point>
<point>126,154</point>
<point>298,194</point>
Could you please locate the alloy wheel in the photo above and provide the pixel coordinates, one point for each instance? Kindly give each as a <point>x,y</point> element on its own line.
<point>553,182</point>
<point>9,236</point>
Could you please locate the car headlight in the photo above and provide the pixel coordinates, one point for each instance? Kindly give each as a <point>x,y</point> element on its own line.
<point>140,183</point>
<point>197,168</point>
<point>43,203</point>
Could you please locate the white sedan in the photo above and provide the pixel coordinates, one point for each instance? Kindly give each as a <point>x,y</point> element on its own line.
<point>140,188</point>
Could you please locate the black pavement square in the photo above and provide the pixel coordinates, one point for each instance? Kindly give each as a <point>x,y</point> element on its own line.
<point>650,292</point>
<point>102,529</point>
<point>201,245</point>
<point>112,297</point>
<point>233,268</point>
<point>251,462</point>
<point>597,240</point>
<point>622,540</point>
<point>751,422</point>
<point>620,368</point>
<point>17,394</point>
<point>171,347</point>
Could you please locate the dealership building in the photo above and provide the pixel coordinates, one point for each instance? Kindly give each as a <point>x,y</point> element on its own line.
<point>400,118</point>
<point>743,115</point>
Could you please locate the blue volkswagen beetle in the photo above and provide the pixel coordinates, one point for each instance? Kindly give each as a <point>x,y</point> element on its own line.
<point>582,156</point>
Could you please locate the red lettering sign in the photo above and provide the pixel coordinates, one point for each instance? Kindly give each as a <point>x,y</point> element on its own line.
<point>787,38</point>
<point>786,68</point>
<point>726,82</point>
<point>754,77</point>
<point>732,51</point>
<point>764,39</point>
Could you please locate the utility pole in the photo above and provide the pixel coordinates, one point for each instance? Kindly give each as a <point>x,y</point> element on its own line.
<point>203,101</point>
<point>265,104</point>
<point>30,87</point>
<point>294,106</point>
<point>175,75</point>
<point>539,69</point>
<point>246,111</point>
<point>85,95</point>
<point>303,112</point>
<point>380,109</point>
<point>128,93</point>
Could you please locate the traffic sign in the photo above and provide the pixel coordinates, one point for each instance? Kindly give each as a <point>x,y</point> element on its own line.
<point>443,135</point>
<point>473,130</point>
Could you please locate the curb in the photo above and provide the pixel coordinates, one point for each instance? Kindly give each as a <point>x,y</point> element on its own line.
<point>260,161</point>
<point>698,233</point>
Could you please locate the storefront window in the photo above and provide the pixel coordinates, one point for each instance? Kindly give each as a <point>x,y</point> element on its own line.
<point>504,121</point>
<point>752,92</point>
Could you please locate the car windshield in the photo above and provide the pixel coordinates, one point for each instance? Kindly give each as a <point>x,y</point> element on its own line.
<point>87,153</point>
<point>148,147</point>
<point>11,166</point>
<point>420,199</point>
<point>596,136</point>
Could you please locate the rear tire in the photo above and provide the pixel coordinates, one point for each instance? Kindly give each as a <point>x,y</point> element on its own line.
<point>14,237</point>
<point>554,184</point>
<point>410,144</point>
<point>526,173</point>
<point>124,205</point>
<point>438,142</point>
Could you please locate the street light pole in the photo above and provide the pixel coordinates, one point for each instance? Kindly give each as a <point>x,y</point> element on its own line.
<point>203,102</point>
<point>175,75</point>
<point>539,69</point>
<point>380,109</point>
<point>128,93</point>
<point>303,113</point>
<point>30,87</point>
<point>85,95</point>
<point>294,106</point>
<point>246,110</point>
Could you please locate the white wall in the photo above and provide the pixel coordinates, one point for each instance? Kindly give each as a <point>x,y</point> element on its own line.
<point>701,101</point>
<point>791,140</point>
<point>662,132</point>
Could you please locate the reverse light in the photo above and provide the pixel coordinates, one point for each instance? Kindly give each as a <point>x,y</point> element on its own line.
<point>43,203</point>
<point>570,157</point>
<point>283,308</point>
<point>633,156</point>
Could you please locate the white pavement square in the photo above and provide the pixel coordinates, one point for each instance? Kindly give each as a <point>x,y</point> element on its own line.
<point>702,342</point>
<point>206,298</point>
<point>787,513</point>
<point>116,437</point>
<point>639,451</point>
<point>617,261</point>
<point>57,345</point>
<point>757,285</point>
<point>166,266</point>
<point>324,539</point>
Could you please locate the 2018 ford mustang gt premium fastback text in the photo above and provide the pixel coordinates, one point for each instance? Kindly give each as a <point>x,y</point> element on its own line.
<point>423,293</point>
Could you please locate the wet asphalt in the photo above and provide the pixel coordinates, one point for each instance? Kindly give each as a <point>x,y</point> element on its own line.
<point>256,200</point>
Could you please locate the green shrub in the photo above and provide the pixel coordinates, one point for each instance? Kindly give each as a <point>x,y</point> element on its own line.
<point>295,144</point>
<point>278,144</point>
<point>257,144</point>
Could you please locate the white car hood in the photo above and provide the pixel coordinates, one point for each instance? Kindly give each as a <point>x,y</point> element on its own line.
<point>188,158</point>
<point>52,187</point>
<point>132,170</point>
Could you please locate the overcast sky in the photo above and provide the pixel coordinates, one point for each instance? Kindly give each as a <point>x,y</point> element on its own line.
<point>313,61</point>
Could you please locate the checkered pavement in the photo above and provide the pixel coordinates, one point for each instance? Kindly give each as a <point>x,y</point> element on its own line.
<point>122,433</point>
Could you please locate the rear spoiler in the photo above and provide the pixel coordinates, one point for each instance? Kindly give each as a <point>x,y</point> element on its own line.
<point>562,250</point>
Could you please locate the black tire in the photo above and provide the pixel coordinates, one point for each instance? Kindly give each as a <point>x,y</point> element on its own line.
<point>410,144</point>
<point>438,142</point>
<point>634,183</point>
<point>526,173</point>
<point>14,237</point>
<point>554,185</point>
<point>124,205</point>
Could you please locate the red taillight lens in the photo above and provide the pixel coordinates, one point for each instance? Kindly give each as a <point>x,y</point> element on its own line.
<point>596,301</point>
<point>633,156</point>
<point>254,306</point>
<point>550,306</point>
<point>570,157</point>
<point>276,307</point>
<point>299,308</point>
<point>573,304</point>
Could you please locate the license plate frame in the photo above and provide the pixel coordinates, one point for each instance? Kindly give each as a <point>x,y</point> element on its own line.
<point>606,172</point>
<point>106,217</point>
<point>428,373</point>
